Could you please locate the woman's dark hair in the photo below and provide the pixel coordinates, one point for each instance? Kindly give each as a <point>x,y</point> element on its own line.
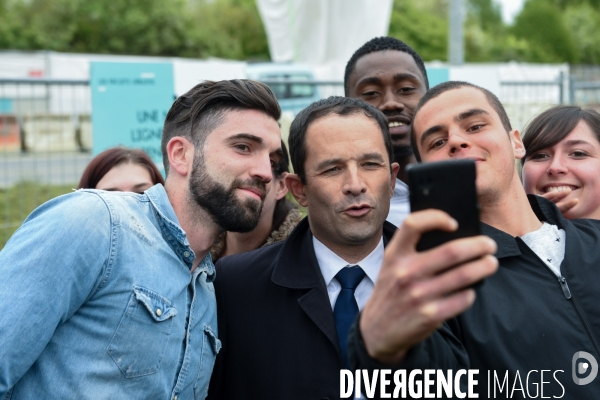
<point>110,158</point>
<point>554,124</point>
<point>283,205</point>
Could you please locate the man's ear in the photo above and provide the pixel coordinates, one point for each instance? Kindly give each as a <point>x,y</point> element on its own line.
<point>296,187</point>
<point>395,168</point>
<point>181,155</point>
<point>280,187</point>
<point>517,144</point>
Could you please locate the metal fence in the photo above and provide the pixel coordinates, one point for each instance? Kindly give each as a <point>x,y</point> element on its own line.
<point>46,133</point>
<point>585,86</point>
<point>525,99</point>
<point>45,142</point>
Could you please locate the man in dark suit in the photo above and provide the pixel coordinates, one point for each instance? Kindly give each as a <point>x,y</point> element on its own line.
<point>284,309</point>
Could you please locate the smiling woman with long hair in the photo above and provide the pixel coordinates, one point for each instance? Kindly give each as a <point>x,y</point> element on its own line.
<point>562,162</point>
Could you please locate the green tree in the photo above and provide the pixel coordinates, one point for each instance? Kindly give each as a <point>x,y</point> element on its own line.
<point>542,25</point>
<point>187,28</point>
<point>488,38</point>
<point>423,25</point>
<point>229,29</point>
<point>486,13</point>
<point>150,27</point>
<point>564,4</point>
<point>583,21</point>
<point>484,31</point>
<point>7,24</point>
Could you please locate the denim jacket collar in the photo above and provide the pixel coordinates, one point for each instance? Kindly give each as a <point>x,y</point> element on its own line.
<point>173,233</point>
<point>162,205</point>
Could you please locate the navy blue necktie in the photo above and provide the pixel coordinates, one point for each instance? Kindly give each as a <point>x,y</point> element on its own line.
<point>345,309</point>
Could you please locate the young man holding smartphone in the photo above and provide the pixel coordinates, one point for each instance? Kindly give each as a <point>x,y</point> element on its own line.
<point>536,314</point>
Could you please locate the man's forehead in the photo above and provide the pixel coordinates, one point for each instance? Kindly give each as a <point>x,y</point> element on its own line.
<point>390,61</point>
<point>454,102</point>
<point>331,121</point>
<point>249,121</point>
<point>334,128</point>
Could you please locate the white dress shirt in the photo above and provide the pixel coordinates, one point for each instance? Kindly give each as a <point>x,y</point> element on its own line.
<point>399,204</point>
<point>330,264</point>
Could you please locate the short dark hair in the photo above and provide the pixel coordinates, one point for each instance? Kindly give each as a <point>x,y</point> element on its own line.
<point>342,106</point>
<point>381,44</point>
<point>200,111</point>
<point>283,205</point>
<point>450,85</point>
<point>108,159</point>
<point>284,161</point>
<point>555,124</point>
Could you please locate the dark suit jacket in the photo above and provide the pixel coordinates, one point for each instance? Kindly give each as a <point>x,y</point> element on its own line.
<point>276,324</point>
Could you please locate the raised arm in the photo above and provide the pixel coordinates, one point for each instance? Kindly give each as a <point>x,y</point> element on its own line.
<point>417,291</point>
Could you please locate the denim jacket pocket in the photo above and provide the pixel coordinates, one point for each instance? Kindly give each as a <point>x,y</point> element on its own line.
<point>210,341</point>
<point>210,348</point>
<point>139,343</point>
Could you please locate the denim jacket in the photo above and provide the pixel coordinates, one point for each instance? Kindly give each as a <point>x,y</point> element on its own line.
<point>98,302</point>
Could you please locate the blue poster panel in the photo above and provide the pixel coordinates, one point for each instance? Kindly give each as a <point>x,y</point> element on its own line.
<point>129,104</point>
<point>437,75</point>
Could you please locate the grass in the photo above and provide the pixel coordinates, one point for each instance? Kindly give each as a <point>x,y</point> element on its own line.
<point>18,201</point>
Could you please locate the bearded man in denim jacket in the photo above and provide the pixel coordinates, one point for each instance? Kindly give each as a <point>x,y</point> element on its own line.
<point>109,295</point>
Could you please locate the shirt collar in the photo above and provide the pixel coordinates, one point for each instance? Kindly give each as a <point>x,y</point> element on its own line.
<point>172,231</point>
<point>545,211</point>
<point>160,200</point>
<point>330,263</point>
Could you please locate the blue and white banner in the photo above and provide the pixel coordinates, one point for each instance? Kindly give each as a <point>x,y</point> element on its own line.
<point>129,104</point>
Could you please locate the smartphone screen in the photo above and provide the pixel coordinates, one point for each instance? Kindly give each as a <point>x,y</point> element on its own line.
<point>448,186</point>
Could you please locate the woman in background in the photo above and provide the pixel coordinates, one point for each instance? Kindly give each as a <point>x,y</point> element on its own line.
<point>278,218</point>
<point>562,162</point>
<point>121,169</point>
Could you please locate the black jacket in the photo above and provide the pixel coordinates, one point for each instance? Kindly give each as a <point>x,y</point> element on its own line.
<point>276,324</point>
<point>524,318</point>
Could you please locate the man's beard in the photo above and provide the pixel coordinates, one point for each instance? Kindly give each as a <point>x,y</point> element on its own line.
<point>225,209</point>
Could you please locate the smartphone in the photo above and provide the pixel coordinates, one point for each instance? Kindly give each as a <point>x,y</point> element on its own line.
<point>448,186</point>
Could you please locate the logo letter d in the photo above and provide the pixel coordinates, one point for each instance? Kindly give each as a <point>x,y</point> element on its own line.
<point>593,372</point>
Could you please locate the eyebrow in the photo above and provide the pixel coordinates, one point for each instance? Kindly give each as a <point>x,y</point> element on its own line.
<point>470,113</point>
<point>578,142</point>
<point>332,161</point>
<point>398,77</point>
<point>247,136</point>
<point>460,117</point>
<point>429,132</point>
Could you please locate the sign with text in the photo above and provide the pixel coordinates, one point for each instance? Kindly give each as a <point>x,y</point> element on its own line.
<point>129,104</point>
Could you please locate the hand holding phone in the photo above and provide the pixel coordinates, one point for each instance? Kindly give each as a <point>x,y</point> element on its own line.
<point>448,186</point>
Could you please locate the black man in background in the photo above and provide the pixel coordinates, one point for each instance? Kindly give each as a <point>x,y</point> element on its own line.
<point>388,74</point>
